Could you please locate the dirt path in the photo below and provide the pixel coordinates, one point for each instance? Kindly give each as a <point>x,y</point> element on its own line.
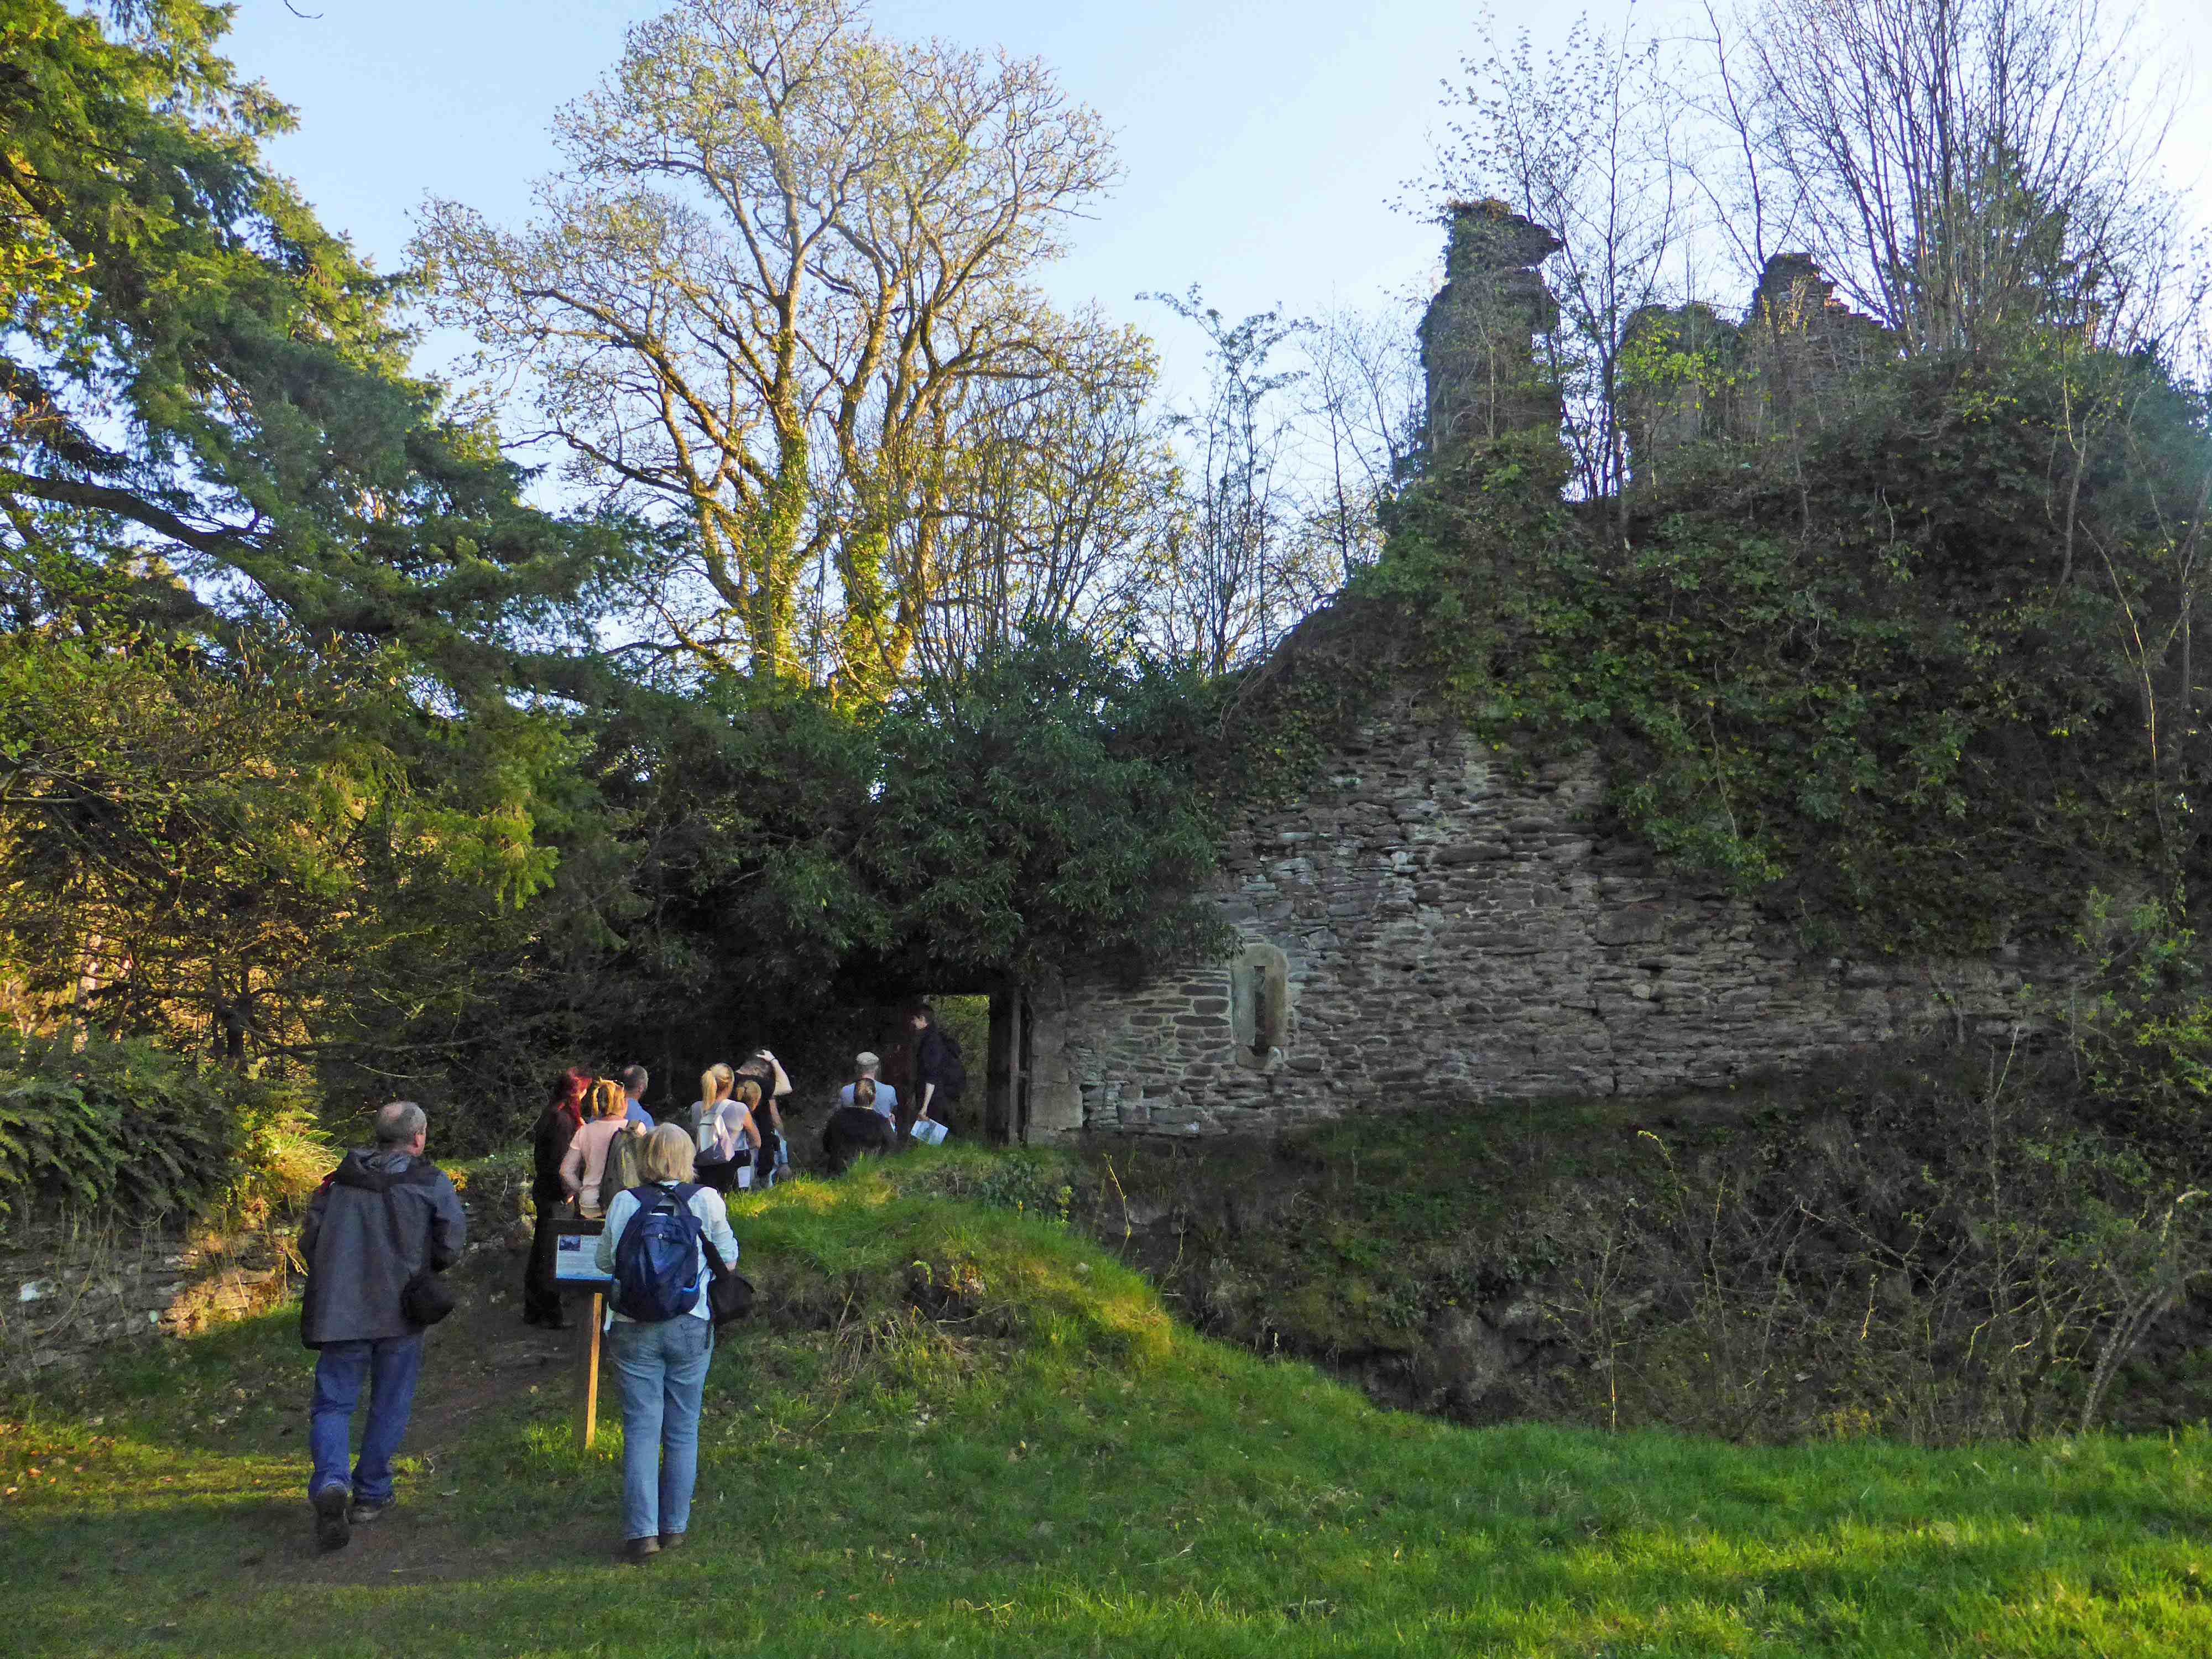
<point>481,1363</point>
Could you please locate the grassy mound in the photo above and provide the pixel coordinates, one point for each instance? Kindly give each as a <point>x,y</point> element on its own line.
<point>958,1427</point>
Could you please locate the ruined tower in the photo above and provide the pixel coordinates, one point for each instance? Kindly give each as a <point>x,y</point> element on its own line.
<point>1478,350</point>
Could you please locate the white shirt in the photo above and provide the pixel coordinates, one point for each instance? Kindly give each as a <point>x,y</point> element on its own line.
<point>714,1224</point>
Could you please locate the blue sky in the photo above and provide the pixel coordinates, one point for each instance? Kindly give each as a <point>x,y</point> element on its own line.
<point>1262,139</point>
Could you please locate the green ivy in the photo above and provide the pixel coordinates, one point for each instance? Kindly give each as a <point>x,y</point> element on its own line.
<point>1864,673</point>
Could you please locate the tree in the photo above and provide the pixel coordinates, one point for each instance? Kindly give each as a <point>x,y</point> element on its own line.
<point>1962,167</point>
<point>235,853</point>
<point>1235,575</point>
<point>1052,508</point>
<point>1364,405</point>
<point>783,247</point>
<point>1046,811</point>
<point>197,379</point>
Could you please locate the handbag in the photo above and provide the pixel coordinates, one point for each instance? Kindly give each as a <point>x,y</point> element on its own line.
<point>425,1299</point>
<point>729,1293</point>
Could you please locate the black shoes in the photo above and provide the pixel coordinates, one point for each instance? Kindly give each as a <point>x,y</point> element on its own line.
<point>332,1530</point>
<point>362,1514</point>
<point>672,1540</point>
<point>640,1549</point>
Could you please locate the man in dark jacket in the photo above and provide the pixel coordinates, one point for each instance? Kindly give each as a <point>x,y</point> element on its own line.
<point>379,1217</point>
<point>939,1077</point>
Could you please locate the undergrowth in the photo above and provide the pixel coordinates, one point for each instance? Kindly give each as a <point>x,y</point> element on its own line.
<point>127,1129</point>
<point>1915,1244</point>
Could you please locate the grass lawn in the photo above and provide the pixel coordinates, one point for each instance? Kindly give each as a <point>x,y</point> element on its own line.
<point>959,1430</point>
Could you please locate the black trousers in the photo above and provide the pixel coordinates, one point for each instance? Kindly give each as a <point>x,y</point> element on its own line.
<point>541,1295</point>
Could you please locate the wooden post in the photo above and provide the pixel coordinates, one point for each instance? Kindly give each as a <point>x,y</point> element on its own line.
<point>998,1070</point>
<point>587,1377</point>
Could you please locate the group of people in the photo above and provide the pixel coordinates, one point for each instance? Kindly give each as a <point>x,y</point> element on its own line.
<point>386,1218</point>
<point>588,1146</point>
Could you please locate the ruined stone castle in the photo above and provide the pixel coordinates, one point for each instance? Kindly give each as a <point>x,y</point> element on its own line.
<point>1430,923</point>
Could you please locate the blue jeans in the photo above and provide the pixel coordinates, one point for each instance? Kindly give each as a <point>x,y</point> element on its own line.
<point>661,1370</point>
<point>390,1365</point>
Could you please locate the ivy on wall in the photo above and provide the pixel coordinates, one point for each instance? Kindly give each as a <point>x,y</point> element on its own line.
<point>1919,675</point>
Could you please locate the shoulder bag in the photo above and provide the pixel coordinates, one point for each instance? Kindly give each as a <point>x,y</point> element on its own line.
<point>426,1298</point>
<point>729,1293</point>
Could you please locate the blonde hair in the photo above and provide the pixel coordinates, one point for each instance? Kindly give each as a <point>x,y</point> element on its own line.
<point>607,1098</point>
<point>714,1084</point>
<point>668,1154</point>
<point>747,1093</point>
<point>864,1092</point>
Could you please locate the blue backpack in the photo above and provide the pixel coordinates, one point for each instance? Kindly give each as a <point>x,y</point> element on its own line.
<point>657,1272</point>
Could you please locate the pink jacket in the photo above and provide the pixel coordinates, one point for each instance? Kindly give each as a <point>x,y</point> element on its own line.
<point>587,1159</point>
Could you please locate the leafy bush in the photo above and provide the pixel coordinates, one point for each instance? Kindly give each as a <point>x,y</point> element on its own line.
<point>124,1126</point>
<point>2139,1026</point>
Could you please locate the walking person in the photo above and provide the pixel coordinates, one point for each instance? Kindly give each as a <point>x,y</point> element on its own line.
<point>557,1127</point>
<point>381,1216</point>
<point>661,1341</point>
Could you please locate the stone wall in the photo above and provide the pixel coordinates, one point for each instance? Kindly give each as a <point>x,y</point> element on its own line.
<point>75,1285</point>
<point>70,1290</point>
<point>1449,930</point>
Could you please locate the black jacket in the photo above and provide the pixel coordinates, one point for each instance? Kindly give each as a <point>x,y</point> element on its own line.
<point>549,1144</point>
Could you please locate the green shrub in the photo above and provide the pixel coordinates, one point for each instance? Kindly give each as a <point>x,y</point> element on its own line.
<point>1035,1182</point>
<point>124,1126</point>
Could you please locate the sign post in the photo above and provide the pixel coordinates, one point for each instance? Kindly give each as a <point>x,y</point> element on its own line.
<point>587,1377</point>
<point>575,1265</point>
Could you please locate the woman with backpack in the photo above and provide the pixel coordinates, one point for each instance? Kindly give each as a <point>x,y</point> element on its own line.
<point>728,1138</point>
<point>662,1334</point>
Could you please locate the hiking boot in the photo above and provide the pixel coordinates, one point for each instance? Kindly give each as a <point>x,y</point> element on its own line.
<point>362,1514</point>
<point>640,1549</point>
<point>331,1529</point>
<point>672,1540</point>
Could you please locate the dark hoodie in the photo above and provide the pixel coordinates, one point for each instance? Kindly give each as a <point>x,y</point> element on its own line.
<point>356,1268</point>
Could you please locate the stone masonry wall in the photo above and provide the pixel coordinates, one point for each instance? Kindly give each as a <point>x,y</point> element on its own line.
<point>1450,930</point>
<point>70,1291</point>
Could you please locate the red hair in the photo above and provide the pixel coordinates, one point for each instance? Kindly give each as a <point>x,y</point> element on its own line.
<point>568,1093</point>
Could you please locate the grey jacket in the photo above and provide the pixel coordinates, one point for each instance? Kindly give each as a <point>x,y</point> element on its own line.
<point>355,1273</point>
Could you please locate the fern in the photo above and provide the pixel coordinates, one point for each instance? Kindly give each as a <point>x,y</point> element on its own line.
<point>125,1126</point>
